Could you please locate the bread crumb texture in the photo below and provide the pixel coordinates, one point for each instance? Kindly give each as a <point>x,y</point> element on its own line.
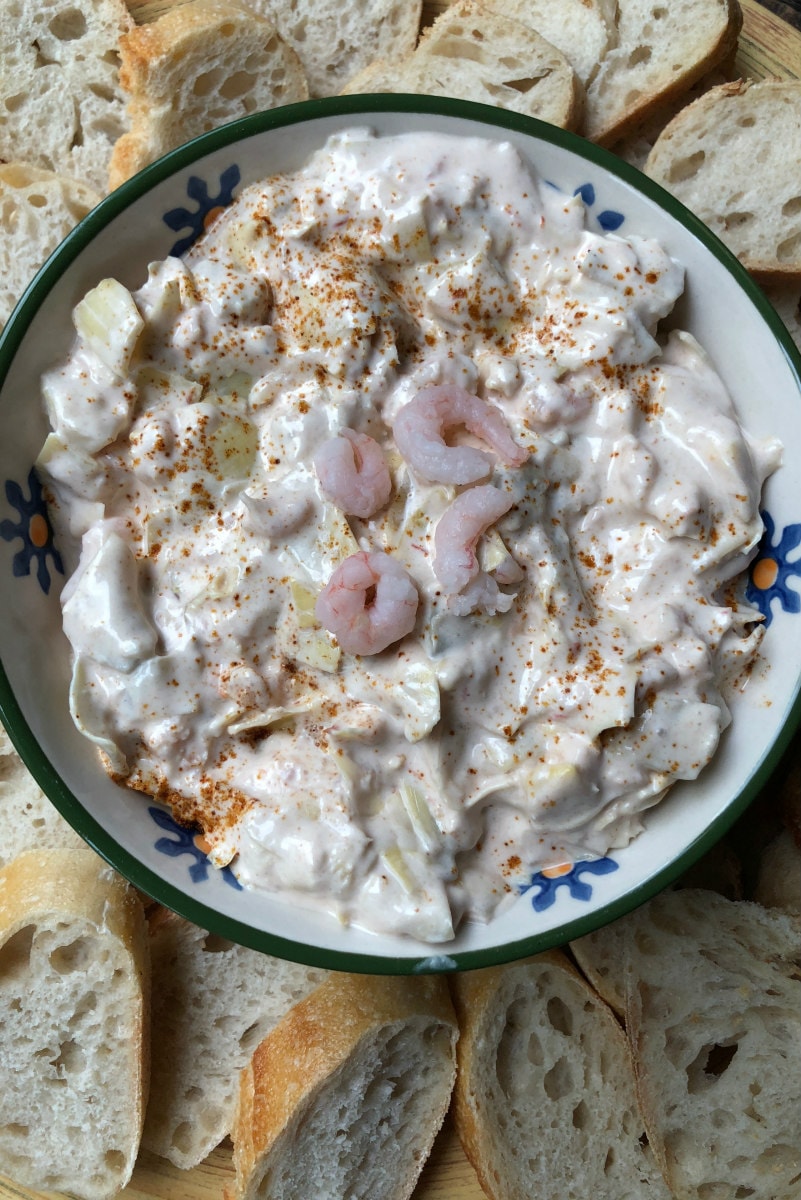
<point>61,105</point>
<point>73,993</point>
<point>733,156</point>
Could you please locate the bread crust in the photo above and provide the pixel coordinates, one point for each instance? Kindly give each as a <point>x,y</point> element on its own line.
<point>313,1042</point>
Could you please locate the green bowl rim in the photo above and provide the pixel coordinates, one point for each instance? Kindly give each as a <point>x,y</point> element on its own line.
<point>142,877</point>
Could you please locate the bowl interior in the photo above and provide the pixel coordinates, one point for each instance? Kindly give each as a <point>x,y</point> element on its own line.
<point>157,213</point>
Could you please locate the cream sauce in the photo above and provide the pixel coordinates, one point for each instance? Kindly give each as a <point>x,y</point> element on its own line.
<point>532,715</point>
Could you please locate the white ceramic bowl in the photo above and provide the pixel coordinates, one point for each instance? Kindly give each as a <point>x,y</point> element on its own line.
<point>161,211</point>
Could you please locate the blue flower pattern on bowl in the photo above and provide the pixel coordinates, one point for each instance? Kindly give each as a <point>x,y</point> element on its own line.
<point>184,841</point>
<point>772,569</point>
<point>545,884</point>
<point>34,528</point>
<point>208,207</point>
<point>608,218</point>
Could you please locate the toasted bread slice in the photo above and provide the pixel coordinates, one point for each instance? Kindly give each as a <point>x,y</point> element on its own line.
<point>545,1102</point>
<point>734,158</point>
<point>213,1002</point>
<point>61,105</point>
<point>472,52</point>
<point>74,990</point>
<point>198,66</point>
<point>346,1095</point>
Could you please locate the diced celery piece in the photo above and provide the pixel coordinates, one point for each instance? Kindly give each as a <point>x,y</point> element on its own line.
<point>110,324</point>
<point>425,827</point>
<point>420,699</point>
<point>304,601</point>
<point>235,445</point>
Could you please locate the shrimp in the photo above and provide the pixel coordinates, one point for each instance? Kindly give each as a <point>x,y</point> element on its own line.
<point>353,473</point>
<point>369,602</point>
<point>420,424</point>
<point>455,561</point>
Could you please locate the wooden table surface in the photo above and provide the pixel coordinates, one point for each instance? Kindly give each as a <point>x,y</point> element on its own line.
<point>770,45</point>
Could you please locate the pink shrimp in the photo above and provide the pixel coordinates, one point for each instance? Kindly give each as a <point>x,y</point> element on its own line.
<point>455,539</point>
<point>369,602</point>
<point>419,426</point>
<point>353,473</point>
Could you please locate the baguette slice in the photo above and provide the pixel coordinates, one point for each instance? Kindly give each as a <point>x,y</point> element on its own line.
<point>545,1103</point>
<point>198,66</point>
<point>30,822</point>
<point>335,41</point>
<point>734,158</point>
<point>657,51</point>
<point>213,1002</point>
<point>472,52</point>
<point>346,1095</point>
<point>61,106</point>
<point>583,30</point>
<point>713,1010</point>
<point>74,985</point>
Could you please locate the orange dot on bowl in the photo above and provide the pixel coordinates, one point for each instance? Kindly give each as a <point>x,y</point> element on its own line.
<point>212,215</point>
<point>555,872</point>
<point>764,573</point>
<point>38,531</point>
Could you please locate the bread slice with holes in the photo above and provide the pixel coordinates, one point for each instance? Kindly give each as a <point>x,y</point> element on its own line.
<point>61,106</point>
<point>30,821</point>
<point>582,30</point>
<point>734,158</point>
<point>545,1103</point>
<point>713,1013</point>
<point>656,52</point>
<point>472,52</point>
<point>336,41</point>
<point>346,1095</point>
<point>74,988</point>
<point>198,66</point>
<point>213,1002</point>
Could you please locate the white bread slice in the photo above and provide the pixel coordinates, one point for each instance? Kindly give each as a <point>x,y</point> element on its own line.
<point>74,984</point>
<point>544,1102</point>
<point>335,41</point>
<point>657,51</point>
<point>713,1012</point>
<point>61,106</point>
<point>472,52</point>
<point>213,1002</point>
<point>346,1095</point>
<point>582,29</point>
<point>734,158</point>
<point>30,822</point>
<point>198,66</point>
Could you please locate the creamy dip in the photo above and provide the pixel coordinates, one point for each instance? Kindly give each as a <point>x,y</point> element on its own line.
<point>562,625</point>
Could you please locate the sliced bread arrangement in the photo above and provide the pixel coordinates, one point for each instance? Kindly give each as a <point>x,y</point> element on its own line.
<point>74,998</point>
